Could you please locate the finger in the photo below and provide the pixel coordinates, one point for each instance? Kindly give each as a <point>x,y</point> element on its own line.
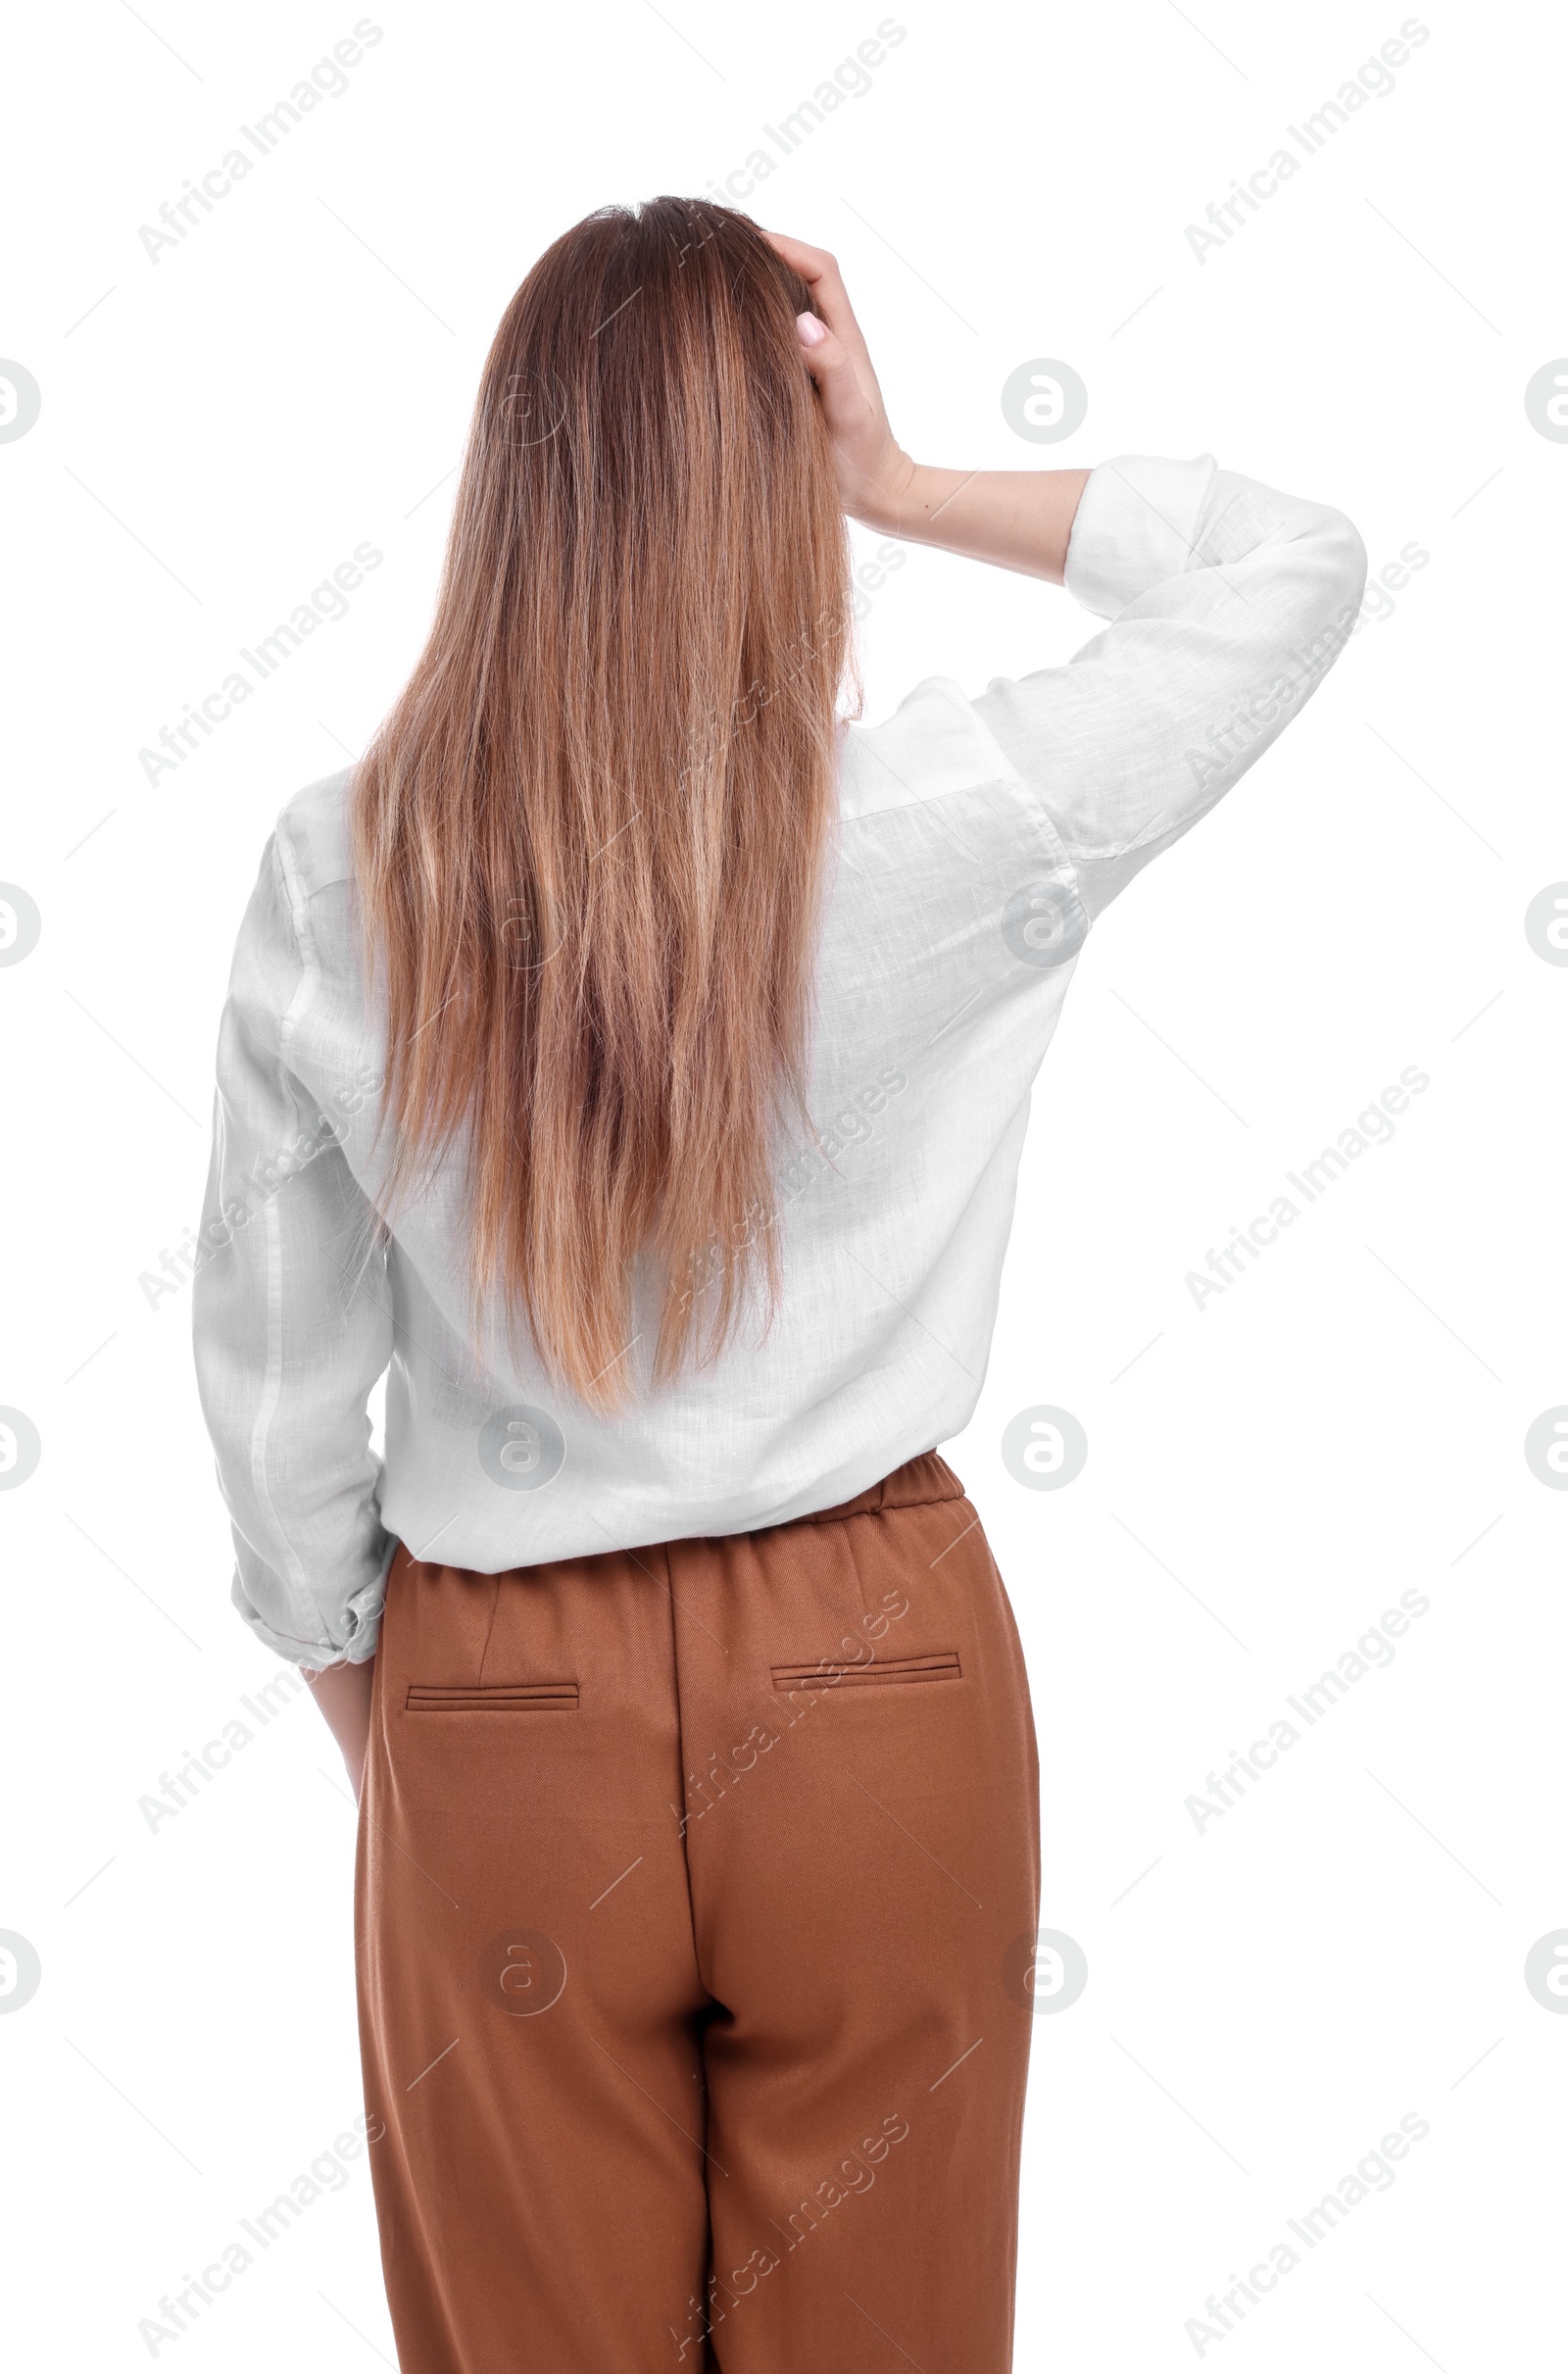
<point>827,359</point>
<point>806,260</point>
<point>820,272</point>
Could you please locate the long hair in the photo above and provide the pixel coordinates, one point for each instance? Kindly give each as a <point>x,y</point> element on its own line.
<point>591,836</point>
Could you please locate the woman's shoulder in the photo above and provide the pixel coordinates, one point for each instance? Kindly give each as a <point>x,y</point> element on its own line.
<point>934,742</point>
<point>312,835</point>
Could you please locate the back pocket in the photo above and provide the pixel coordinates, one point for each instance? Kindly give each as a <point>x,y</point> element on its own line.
<point>492,1698</point>
<point>941,1666</point>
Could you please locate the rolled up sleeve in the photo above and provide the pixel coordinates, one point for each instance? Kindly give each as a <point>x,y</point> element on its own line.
<point>292,1321</point>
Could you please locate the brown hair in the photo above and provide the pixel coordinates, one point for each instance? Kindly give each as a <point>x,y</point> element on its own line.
<point>590,837</point>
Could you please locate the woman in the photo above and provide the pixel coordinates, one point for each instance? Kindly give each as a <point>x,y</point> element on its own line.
<point>632,1058</point>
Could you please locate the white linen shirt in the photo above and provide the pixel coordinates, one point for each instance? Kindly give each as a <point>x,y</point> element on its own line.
<point>977,839</point>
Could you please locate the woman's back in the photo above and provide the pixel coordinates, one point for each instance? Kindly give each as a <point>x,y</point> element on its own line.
<point>632,1059</point>
<point>975,840</point>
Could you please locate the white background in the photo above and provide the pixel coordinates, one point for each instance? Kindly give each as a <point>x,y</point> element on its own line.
<point>220,428</point>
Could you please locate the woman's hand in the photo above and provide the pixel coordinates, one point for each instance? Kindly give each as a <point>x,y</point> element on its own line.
<point>1016,519</point>
<point>343,1694</point>
<point>873,470</point>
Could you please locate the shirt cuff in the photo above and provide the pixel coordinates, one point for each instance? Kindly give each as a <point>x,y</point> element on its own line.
<point>1137,526</point>
<point>361,1624</point>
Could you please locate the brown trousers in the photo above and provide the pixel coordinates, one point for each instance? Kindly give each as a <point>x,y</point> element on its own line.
<point>697,1885</point>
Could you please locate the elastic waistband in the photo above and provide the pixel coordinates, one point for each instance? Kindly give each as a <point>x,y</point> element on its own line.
<point>927,1477</point>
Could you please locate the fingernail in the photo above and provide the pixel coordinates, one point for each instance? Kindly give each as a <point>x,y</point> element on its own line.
<point>812,331</point>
